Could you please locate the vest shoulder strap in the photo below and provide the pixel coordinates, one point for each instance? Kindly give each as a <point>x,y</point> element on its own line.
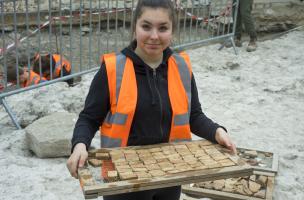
<point>115,65</point>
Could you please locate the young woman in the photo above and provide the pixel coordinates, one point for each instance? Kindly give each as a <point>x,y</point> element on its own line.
<point>26,77</point>
<point>60,66</point>
<point>146,94</point>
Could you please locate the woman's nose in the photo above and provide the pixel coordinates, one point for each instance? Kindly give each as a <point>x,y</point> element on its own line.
<point>154,34</point>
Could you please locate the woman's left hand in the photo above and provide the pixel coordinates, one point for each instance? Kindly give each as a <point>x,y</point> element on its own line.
<point>222,137</point>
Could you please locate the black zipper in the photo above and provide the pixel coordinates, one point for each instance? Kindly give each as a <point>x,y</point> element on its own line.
<point>160,103</point>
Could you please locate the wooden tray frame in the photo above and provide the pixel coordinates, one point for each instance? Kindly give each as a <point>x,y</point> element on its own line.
<point>92,189</point>
<point>274,166</point>
<point>214,194</point>
<point>266,171</point>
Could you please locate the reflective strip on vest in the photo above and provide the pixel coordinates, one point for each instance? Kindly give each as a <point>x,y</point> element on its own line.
<point>118,118</point>
<point>33,81</point>
<point>120,67</point>
<point>180,140</point>
<point>58,63</point>
<point>183,119</point>
<point>108,142</point>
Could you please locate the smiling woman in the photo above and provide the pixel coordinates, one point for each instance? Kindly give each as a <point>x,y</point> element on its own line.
<point>153,35</point>
<point>146,94</point>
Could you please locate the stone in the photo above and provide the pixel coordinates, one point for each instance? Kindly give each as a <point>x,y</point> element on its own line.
<point>219,184</point>
<point>251,154</point>
<point>112,175</point>
<point>127,176</point>
<point>207,185</point>
<point>141,175</point>
<point>245,188</point>
<point>202,184</point>
<point>260,194</point>
<point>262,180</point>
<point>50,136</point>
<point>103,156</point>
<point>254,187</point>
<point>247,191</point>
<point>252,177</point>
<point>232,65</point>
<point>252,162</point>
<point>95,162</point>
<point>231,190</point>
<point>229,183</point>
<point>239,189</point>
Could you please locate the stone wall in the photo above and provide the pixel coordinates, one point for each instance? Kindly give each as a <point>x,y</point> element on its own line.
<point>278,17</point>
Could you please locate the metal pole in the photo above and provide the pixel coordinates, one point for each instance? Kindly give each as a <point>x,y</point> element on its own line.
<point>9,112</point>
<point>50,38</point>
<point>27,34</point>
<point>39,38</point>
<point>71,36</point>
<point>4,45</point>
<point>80,46</point>
<point>60,39</point>
<point>124,24</point>
<point>116,25</point>
<point>98,32</point>
<point>90,37</point>
<point>108,25</point>
<point>16,39</point>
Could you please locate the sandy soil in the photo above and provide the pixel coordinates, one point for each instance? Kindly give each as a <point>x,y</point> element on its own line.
<point>258,96</point>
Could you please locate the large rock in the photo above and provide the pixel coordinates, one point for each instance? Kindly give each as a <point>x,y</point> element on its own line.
<point>50,136</point>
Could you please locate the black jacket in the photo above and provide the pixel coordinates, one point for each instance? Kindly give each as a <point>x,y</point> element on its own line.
<point>152,119</point>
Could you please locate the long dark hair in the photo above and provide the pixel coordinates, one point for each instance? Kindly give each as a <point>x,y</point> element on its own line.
<point>166,4</point>
<point>45,64</point>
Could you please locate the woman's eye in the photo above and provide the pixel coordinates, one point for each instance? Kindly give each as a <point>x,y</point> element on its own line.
<point>163,28</point>
<point>146,27</point>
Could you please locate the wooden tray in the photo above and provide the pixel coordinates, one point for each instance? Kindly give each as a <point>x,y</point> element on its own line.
<point>180,163</point>
<point>220,195</point>
<point>265,161</point>
<point>269,170</point>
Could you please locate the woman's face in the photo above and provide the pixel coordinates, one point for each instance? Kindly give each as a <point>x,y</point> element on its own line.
<point>23,77</point>
<point>153,31</point>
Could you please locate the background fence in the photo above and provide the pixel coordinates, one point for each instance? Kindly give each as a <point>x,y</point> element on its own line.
<point>80,31</point>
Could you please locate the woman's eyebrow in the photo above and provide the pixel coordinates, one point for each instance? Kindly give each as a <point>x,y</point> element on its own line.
<point>148,22</point>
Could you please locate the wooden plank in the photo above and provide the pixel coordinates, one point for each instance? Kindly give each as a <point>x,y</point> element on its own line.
<point>185,197</point>
<point>167,181</point>
<point>91,196</point>
<point>257,172</point>
<point>275,163</point>
<point>200,192</point>
<point>270,187</point>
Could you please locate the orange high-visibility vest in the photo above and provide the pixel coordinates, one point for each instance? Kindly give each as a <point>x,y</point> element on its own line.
<point>60,62</point>
<point>123,97</point>
<point>33,79</point>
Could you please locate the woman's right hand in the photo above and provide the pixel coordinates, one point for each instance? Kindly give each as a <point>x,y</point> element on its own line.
<point>77,159</point>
